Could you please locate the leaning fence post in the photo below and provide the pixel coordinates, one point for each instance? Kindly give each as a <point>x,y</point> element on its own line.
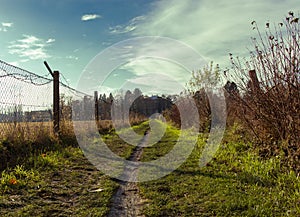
<point>55,76</point>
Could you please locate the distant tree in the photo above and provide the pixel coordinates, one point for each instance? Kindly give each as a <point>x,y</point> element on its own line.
<point>137,92</point>
<point>202,86</point>
<point>208,78</point>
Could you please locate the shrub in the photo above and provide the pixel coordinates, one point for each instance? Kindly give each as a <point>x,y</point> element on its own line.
<point>269,89</point>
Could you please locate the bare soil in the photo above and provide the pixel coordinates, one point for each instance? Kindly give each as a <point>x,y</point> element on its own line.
<point>127,200</point>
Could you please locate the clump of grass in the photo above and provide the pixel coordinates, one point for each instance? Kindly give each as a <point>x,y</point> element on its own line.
<point>47,160</point>
<point>25,131</point>
<point>17,178</point>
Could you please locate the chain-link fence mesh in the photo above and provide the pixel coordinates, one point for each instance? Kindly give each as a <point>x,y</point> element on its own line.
<point>26,101</point>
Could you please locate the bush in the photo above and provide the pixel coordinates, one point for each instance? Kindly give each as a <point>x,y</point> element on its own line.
<point>269,89</point>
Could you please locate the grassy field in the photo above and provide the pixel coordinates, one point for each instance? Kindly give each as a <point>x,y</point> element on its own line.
<point>236,183</point>
<point>59,181</point>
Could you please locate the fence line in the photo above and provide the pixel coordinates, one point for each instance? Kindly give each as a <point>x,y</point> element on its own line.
<point>27,97</point>
<point>8,70</point>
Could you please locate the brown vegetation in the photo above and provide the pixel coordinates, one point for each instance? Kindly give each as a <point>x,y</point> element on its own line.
<point>268,100</point>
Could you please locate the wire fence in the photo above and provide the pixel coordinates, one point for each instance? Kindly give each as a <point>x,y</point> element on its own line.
<point>26,98</point>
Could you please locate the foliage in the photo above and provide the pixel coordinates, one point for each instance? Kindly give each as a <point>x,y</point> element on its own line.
<point>207,78</point>
<point>202,88</point>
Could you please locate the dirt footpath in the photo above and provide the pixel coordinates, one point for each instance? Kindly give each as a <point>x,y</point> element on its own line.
<point>127,201</point>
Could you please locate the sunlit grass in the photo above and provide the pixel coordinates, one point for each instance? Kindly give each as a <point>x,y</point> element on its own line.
<point>57,178</point>
<point>237,182</point>
<point>55,183</point>
<point>46,175</point>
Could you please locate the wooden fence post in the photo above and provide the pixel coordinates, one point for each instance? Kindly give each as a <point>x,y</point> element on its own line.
<point>254,80</point>
<point>56,101</point>
<point>55,116</point>
<point>96,99</point>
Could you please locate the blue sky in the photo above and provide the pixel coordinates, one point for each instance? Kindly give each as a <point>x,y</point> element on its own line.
<point>70,33</point>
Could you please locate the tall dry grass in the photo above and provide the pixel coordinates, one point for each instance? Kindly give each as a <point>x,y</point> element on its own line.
<point>19,141</point>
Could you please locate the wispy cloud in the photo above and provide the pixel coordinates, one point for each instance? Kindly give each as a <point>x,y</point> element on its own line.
<point>88,17</point>
<point>168,61</point>
<point>30,47</point>
<point>129,27</point>
<point>213,28</point>
<point>5,26</point>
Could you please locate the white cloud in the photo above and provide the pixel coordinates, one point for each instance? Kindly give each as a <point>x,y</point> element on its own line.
<point>72,57</point>
<point>144,66</point>
<point>29,39</point>
<point>50,40</point>
<point>30,47</point>
<point>157,76</point>
<point>139,57</point>
<point>104,89</point>
<point>88,17</point>
<point>24,60</point>
<point>129,27</point>
<point>105,43</point>
<point>5,26</point>
<point>17,63</point>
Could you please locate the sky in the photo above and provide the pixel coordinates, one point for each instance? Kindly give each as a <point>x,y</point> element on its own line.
<point>71,35</point>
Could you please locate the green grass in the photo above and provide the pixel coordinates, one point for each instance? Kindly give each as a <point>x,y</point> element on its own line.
<point>58,182</point>
<point>235,183</point>
<point>162,147</point>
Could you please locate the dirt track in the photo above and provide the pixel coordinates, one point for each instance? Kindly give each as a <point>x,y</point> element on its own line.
<point>127,201</point>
